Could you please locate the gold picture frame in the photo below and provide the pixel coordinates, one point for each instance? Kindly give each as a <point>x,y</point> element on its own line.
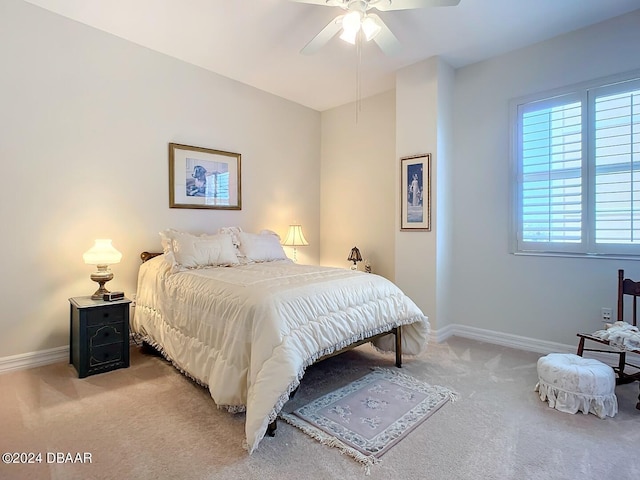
<point>204,178</point>
<point>415,188</point>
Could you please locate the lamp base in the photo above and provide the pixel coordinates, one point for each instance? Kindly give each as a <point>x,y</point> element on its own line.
<point>101,276</point>
<point>99,294</point>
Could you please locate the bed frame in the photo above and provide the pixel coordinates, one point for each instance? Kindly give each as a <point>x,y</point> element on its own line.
<point>396,331</point>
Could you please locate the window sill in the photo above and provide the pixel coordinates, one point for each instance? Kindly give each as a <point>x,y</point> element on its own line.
<point>599,256</point>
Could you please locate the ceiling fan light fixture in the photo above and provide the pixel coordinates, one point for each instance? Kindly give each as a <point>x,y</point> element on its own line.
<point>370,28</point>
<point>349,36</point>
<point>352,21</point>
<point>359,17</point>
<point>351,24</point>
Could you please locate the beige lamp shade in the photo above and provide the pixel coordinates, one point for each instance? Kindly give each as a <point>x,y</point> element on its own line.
<point>295,237</point>
<point>102,253</point>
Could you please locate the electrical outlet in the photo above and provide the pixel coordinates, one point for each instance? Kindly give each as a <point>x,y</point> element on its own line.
<point>606,314</point>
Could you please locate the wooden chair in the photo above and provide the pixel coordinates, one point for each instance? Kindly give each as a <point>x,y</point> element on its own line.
<point>630,288</point>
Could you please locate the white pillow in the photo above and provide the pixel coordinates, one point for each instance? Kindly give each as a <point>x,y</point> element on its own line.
<point>261,247</point>
<point>185,250</point>
<point>233,231</point>
<point>166,239</point>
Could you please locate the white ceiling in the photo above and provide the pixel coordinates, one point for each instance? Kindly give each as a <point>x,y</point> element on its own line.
<point>257,42</point>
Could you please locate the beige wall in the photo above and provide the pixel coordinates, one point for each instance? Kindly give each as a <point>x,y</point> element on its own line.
<point>417,127</point>
<point>462,273</point>
<point>84,126</point>
<point>358,186</point>
<point>86,119</point>
<point>546,298</point>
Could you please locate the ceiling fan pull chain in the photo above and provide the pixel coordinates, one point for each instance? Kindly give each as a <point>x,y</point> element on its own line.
<point>358,77</point>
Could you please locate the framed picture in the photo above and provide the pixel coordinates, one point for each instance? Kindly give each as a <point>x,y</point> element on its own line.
<point>415,201</point>
<point>203,178</point>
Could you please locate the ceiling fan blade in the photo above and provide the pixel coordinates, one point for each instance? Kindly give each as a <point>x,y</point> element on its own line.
<point>326,34</point>
<point>330,3</point>
<point>388,5</point>
<point>385,39</point>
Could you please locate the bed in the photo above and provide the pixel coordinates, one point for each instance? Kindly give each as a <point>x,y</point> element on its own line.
<point>248,328</point>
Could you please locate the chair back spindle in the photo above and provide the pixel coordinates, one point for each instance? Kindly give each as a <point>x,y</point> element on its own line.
<point>626,286</point>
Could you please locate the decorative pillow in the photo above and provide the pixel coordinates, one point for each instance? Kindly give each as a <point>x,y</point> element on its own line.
<point>233,231</point>
<point>166,240</point>
<point>261,247</point>
<point>185,250</point>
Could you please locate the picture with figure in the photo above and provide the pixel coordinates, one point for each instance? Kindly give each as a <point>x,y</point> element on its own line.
<point>415,212</point>
<point>207,179</point>
<point>204,178</point>
<point>415,204</point>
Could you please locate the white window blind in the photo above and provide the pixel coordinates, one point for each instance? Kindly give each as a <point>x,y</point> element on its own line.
<point>578,171</point>
<point>617,169</point>
<point>552,173</point>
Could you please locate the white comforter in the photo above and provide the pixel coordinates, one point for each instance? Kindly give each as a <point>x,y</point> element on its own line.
<point>248,332</point>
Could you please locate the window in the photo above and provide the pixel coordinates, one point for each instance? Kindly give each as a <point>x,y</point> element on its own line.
<point>577,155</point>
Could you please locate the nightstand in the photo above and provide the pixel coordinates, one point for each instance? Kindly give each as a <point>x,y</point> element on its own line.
<point>99,335</point>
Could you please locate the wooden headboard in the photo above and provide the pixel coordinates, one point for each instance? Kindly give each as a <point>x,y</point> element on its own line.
<point>144,256</point>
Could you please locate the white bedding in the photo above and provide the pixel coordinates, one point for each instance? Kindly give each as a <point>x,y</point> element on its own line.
<point>248,332</point>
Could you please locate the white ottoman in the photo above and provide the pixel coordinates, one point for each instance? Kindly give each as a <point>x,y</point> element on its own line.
<point>571,383</point>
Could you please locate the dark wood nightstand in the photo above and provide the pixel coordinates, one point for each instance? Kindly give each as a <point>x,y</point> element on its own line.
<point>99,335</point>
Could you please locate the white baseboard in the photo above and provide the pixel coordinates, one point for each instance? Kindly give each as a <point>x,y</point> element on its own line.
<point>33,359</point>
<point>503,339</point>
<point>58,354</point>
<point>37,359</point>
<point>521,343</point>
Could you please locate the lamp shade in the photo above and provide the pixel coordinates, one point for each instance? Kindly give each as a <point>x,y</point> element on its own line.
<point>295,237</point>
<point>370,28</point>
<point>351,26</point>
<point>354,255</point>
<point>102,253</point>
<point>351,22</point>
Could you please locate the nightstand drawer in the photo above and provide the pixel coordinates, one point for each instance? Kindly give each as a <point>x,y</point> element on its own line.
<point>105,334</point>
<point>100,316</point>
<point>105,355</point>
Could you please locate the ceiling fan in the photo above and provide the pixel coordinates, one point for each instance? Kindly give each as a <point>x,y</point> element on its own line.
<point>358,20</point>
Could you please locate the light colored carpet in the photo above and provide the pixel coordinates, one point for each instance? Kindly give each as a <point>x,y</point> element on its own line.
<point>148,421</point>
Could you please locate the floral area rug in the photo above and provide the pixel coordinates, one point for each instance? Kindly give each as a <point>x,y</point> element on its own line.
<point>367,417</point>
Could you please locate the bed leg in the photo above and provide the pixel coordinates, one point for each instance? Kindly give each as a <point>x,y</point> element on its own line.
<point>272,427</point>
<point>292,394</point>
<point>398,333</point>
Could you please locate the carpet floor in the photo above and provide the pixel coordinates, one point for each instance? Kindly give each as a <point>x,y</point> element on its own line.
<point>149,421</point>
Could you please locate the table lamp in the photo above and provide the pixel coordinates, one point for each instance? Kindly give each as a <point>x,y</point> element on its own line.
<point>354,256</point>
<point>102,254</point>
<point>295,238</point>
